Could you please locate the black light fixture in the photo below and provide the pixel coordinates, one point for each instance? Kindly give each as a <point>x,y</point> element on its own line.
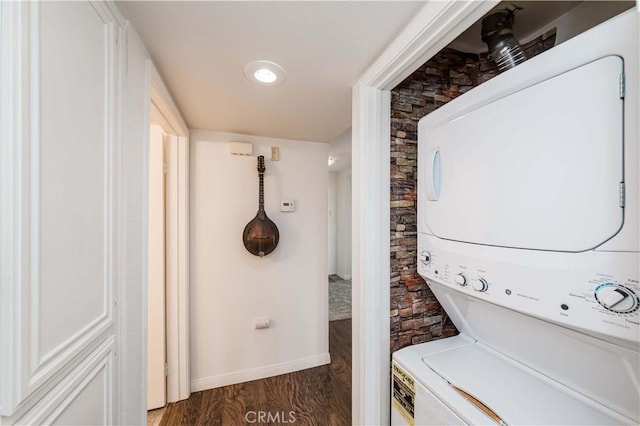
<point>497,32</point>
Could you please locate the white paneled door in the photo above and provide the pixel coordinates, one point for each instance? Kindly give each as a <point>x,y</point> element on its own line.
<point>60,212</point>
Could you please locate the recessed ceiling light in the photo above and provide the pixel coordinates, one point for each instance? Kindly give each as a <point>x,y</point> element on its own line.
<point>264,72</point>
<point>264,75</point>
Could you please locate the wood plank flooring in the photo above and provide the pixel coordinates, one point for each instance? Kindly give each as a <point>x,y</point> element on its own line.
<point>317,396</point>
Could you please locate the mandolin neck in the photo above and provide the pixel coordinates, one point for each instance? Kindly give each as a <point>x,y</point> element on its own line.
<point>261,194</point>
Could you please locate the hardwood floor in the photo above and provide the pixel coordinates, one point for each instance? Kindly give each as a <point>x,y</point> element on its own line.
<point>317,396</point>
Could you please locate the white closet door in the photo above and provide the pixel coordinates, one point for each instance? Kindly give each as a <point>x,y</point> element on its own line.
<point>538,169</point>
<point>60,221</point>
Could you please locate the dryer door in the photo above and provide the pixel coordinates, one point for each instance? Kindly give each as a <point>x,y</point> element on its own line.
<point>538,169</point>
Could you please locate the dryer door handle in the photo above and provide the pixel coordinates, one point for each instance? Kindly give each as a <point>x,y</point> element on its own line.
<point>433,174</point>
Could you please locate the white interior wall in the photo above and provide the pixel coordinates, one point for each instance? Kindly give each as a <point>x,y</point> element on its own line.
<point>333,189</point>
<point>343,224</point>
<point>230,288</point>
<point>135,131</point>
<point>340,151</point>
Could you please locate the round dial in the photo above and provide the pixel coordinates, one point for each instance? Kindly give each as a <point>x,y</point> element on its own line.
<point>480,285</point>
<point>461,280</point>
<point>616,298</point>
<point>425,257</point>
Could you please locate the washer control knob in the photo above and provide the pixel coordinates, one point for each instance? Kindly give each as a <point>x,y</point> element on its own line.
<point>425,257</point>
<point>480,285</point>
<point>461,280</point>
<point>616,298</point>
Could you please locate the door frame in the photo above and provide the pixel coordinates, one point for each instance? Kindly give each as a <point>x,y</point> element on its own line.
<point>164,112</point>
<point>435,26</point>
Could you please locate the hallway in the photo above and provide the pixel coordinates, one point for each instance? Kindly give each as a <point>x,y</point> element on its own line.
<point>339,298</point>
<point>317,396</point>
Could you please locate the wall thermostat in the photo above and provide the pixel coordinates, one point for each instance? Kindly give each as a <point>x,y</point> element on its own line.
<point>287,205</point>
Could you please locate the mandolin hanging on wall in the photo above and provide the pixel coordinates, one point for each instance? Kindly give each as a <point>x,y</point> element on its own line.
<point>260,236</point>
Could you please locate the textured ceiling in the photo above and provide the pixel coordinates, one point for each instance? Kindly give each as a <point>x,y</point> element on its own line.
<point>200,49</point>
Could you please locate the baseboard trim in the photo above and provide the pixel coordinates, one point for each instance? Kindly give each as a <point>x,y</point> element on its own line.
<point>259,373</point>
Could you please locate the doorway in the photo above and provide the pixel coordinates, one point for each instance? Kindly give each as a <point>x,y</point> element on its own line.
<point>340,245</point>
<point>167,356</point>
<point>339,240</point>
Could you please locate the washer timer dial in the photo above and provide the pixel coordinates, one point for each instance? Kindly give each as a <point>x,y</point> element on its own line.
<point>616,298</point>
<point>461,280</point>
<point>480,285</point>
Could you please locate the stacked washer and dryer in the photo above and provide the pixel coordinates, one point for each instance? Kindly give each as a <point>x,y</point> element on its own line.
<point>528,235</point>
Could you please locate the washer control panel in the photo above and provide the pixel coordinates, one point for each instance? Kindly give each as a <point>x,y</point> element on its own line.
<point>597,292</point>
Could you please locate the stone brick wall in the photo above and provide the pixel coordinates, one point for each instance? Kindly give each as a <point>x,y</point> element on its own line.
<point>416,315</point>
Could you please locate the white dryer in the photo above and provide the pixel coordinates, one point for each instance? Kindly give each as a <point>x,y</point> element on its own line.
<point>528,235</point>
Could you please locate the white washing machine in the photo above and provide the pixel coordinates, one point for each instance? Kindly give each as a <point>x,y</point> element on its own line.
<point>528,235</point>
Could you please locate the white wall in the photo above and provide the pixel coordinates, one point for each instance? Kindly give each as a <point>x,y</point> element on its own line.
<point>135,130</point>
<point>333,192</point>
<point>230,288</point>
<point>343,224</point>
<point>340,151</point>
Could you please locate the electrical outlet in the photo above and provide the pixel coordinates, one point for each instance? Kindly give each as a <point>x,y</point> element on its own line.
<point>262,323</point>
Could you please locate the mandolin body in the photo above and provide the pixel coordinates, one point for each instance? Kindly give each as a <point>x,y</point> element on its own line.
<point>260,236</point>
